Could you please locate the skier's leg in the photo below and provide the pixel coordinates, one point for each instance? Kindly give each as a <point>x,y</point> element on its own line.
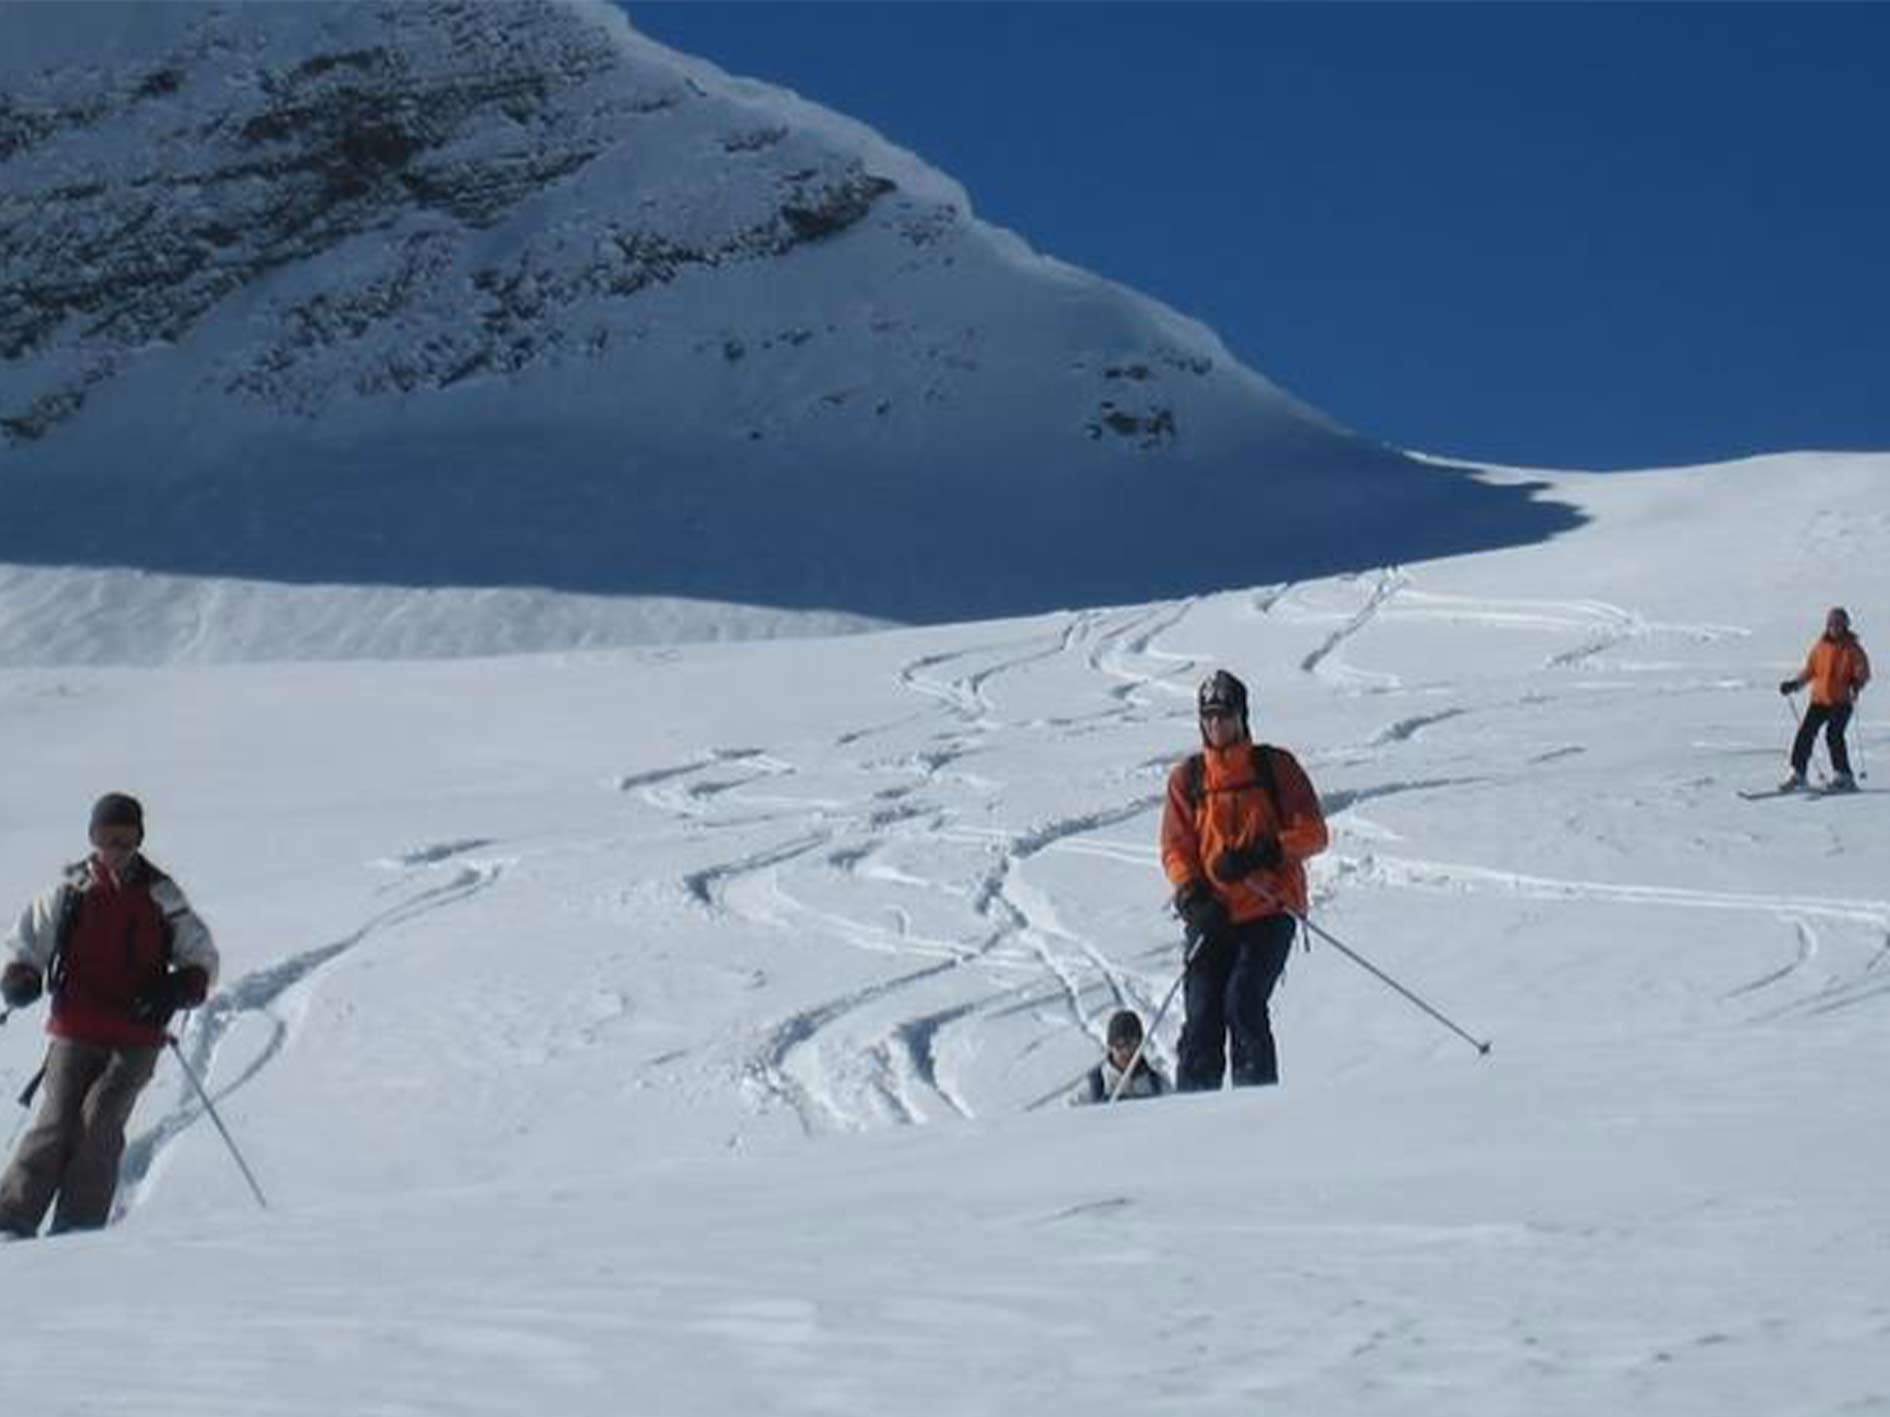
<point>1265,946</point>
<point>1203,1054</point>
<point>1808,727</point>
<point>91,1176</point>
<point>48,1146</point>
<point>1834,740</point>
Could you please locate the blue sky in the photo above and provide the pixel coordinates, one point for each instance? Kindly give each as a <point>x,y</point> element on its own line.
<point>1563,235</point>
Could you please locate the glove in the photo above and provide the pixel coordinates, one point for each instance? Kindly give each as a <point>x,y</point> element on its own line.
<point>180,989</point>
<point>1788,687</point>
<point>1200,909</point>
<point>1238,862</point>
<point>20,984</point>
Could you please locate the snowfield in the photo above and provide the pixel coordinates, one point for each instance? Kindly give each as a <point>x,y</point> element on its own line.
<point>655,1030</point>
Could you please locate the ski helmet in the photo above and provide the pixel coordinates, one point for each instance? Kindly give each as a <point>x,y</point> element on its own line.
<point>1222,691</point>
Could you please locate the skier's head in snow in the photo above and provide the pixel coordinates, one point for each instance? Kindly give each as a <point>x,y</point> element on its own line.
<point>1222,703</point>
<point>1837,623</point>
<point>1125,1036</point>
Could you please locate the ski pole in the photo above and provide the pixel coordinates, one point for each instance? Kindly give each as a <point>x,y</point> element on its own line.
<point>1482,1046</point>
<point>209,1107</point>
<point>1191,943</point>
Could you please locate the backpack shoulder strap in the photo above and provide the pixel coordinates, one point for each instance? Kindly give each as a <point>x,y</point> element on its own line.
<point>71,898</point>
<point>1263,774</point>
<point>158,886</point>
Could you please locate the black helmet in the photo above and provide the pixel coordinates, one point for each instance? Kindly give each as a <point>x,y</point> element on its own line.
<point>1221,690</point>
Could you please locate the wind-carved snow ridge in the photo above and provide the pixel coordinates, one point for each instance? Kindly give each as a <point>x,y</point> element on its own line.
<point>506,301</point>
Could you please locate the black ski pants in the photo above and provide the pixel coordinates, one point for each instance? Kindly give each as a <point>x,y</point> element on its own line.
<point>1228,985</point>
<point>1833,719</point>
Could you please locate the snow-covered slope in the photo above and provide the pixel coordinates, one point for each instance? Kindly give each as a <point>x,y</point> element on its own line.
<point>653,1030</point>
<point>442,295</point>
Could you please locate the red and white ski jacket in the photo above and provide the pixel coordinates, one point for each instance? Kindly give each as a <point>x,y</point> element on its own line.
<point>121,936</point>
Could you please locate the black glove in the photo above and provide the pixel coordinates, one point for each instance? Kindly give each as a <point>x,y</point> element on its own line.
<point>180,989</point>
<point>1788,686</point>
<point>20,984</point>
<point>1238,862</point>
<point>1200,909</point>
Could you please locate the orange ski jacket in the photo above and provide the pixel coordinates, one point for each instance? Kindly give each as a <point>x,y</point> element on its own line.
<point>1836,670</point>
<point>1232,808</point>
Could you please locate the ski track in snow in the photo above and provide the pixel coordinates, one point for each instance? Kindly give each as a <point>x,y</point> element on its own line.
<point>1599,626</point>
<point>1416,874</point>
<point>1390,581</point>
<point>1114,654</point>
<point>255,996</point>
<point>1807,939</point>
<point>884,1051</point>
<point>881,1052</point>
<point>1134,677</point>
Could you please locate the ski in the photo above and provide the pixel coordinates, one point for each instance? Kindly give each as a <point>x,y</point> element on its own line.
<point>1806,791</point>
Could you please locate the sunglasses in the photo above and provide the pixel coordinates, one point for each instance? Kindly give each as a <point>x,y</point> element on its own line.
<point>1216,711</point>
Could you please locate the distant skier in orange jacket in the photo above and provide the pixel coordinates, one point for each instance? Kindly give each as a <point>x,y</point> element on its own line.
<point>1837,669</point>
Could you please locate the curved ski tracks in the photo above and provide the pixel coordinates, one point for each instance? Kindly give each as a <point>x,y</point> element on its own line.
<point>885,1051</point>
<point>892,1049</point>
<point>256,994</point>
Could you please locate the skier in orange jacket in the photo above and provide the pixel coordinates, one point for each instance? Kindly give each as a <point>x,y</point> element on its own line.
<point>1239,819</point>
<point>1837,669</point>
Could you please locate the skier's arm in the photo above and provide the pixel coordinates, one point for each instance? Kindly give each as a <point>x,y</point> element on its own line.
<point>1809,673</point>
<point>1303,826</point>
<point>191,945</point>
<point>29,949</point>
<point>34,934</point>
<point>1090,1090</point>
<point>1860,676</point>
<point>1181,844</point>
